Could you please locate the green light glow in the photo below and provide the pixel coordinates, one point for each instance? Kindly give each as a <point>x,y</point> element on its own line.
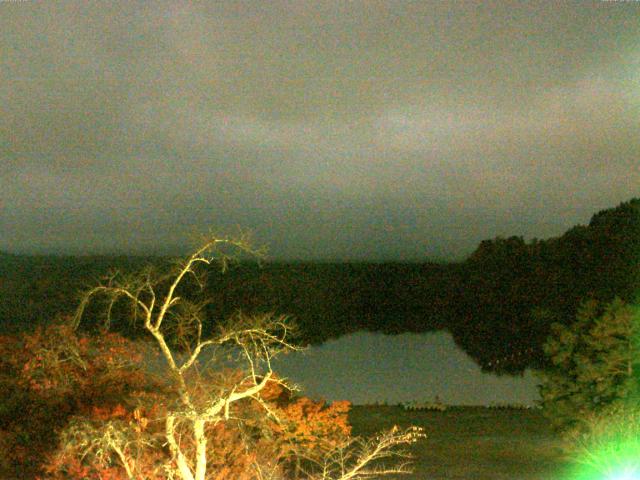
<point>625,474</point>
<point>611,450</point>
<point>614,467</point>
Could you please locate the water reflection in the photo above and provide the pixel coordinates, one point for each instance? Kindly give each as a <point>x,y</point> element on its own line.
<point>366,368</point>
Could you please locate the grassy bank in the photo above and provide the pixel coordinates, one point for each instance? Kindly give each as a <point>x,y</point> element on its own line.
<point>473,443</point>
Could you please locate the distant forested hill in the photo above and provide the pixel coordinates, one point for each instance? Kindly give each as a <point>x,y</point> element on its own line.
<point>35,289</point>
<point>509,291</point>
<point>498,303</point>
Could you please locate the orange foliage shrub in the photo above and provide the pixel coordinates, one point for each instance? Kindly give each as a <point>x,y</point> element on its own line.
<point>50,375</point>
<point>67,393</point>
<point>300,427</point>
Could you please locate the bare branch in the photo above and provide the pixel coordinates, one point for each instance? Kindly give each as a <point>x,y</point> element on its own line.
<point>359,459</point>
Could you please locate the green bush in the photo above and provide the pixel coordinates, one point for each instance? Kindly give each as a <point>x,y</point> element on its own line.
<point>593,364</point>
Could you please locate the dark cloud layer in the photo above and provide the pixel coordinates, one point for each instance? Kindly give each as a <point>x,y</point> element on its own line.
<point>332,129</point>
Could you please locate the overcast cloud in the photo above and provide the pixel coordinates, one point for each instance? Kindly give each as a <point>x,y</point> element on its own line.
<point>342,130</point>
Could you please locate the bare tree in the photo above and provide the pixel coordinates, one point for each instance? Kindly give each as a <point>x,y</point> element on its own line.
<point>177,327</point>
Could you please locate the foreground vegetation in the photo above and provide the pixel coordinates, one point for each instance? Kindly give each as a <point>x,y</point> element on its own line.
<point>96,406</point>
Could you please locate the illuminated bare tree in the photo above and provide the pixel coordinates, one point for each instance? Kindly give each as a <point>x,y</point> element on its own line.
<point>177,327</point>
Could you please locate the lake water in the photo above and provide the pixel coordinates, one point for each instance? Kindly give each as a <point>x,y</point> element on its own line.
<point>368,367</point>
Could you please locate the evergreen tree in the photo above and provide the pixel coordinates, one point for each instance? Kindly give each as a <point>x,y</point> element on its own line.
<point>593,364</point>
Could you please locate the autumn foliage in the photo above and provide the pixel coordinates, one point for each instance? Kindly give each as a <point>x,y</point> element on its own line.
<point>52,375</point>
<point>67,396</point>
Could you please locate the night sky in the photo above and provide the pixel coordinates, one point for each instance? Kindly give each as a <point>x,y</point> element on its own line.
<point>332,130</point>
